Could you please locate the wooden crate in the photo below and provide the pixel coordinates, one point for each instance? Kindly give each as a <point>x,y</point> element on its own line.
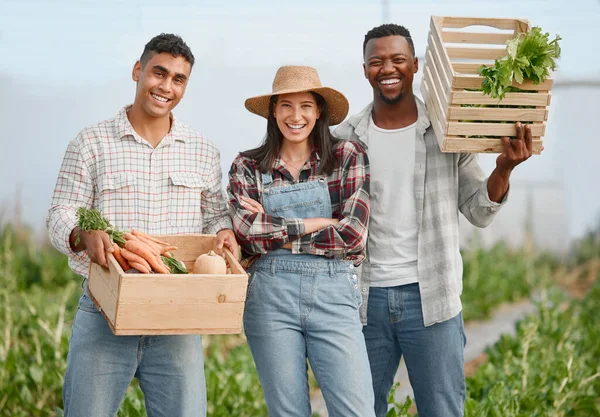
<point>158,304</point>
<point>452,59</point>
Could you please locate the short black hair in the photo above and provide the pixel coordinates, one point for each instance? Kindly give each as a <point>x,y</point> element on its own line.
<point>167,42</point>
<point>389,29</point>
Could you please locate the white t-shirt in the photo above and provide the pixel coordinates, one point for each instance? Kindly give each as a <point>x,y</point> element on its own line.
<point>392,244</point>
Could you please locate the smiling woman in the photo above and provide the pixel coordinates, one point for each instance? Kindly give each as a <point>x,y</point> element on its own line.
<point>300,206</point>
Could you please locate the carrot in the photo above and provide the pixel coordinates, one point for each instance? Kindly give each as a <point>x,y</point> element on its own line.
<point>140,267</point>
<point>167,249</point>
<point>139,233</point>
<point>145,252</point>
<point>119,257</point>
<point>156,248</point>
<point>133,257</point>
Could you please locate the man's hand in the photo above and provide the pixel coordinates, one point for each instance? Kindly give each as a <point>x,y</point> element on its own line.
<point>226,238</point>
<point>96,243</point>
<point>515,150</point>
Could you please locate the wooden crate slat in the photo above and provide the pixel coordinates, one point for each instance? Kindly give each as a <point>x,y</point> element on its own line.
<point>171,331</point>
<point>443,86</point>
<point>437,120</point>
<point>434,95</point>
<point>476,37</point>
<point>462,22</point>
<point>104,289</point>
<point>496,114</point>
<point>196,315</point>
<point>158,289</point>
<point>514,99</point>
<point>483,145</point>
<point>474,82</point>
<point>437,45</point>
<point>468,67</point>
<point>476,53</point>
<point>490,129</point>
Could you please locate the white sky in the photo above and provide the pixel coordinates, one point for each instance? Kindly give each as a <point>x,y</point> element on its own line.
<point>67,64</point>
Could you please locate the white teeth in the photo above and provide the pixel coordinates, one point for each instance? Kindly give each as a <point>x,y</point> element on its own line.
<point>295,126</point>
<point>159,98</point>
<point>392,81</point>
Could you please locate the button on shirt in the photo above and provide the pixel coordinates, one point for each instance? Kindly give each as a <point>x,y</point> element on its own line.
<point>348,186</point>
<point>174,188</point>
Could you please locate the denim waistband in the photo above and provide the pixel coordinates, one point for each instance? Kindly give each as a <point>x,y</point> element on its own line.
<point>300,264</point>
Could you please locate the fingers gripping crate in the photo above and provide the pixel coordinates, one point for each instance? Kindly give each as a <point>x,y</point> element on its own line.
<point>469,121</point>
<point>159,304</point>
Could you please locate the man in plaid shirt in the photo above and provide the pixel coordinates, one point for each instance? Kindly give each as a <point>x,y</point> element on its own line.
<point>143,170</point>
<point>411,279</point>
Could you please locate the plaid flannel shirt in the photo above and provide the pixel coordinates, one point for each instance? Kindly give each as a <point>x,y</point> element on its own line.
<point>174,188</point>
<point>348,185</point>
<point>445,183</point>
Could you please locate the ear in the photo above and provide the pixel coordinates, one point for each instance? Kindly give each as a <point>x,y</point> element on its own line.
<point>318,112</point>
<point>365,70</point>
<point>415,65</point>
<point>137,70</point>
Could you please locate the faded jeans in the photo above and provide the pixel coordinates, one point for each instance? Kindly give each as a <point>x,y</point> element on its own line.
<point>301,307</point>
<point>100,367</point>
<point>433,355</point>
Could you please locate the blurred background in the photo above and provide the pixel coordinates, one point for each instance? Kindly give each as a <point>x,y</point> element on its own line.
<point>67,64</point>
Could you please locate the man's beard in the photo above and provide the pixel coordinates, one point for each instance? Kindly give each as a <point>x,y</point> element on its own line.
<point>392,100</point>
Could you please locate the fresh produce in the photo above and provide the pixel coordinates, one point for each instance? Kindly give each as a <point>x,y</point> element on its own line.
<point>133,250</point>
<point>531,56</point>
<point>210,263</point>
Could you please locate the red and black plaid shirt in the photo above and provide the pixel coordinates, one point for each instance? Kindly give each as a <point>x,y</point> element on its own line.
<point>348,184</point>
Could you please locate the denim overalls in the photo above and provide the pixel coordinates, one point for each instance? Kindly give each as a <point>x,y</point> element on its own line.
<point>306,306</point>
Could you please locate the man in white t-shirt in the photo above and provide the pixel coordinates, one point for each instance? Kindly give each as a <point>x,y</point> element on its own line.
<point>412,278</point>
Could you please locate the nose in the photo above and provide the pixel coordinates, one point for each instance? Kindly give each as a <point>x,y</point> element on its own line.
<point>296,114</point>
<point>388,66</point>
<point>165,85</point>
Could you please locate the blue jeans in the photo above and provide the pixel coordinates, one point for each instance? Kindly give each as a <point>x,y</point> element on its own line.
<point>100,367</point>
<point>433,355</point>
<point>301,307</point>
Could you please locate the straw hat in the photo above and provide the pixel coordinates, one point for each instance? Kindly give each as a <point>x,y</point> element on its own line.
<point>300,79</point>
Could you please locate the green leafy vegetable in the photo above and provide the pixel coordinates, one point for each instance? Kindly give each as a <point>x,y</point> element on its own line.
<point>174,265</point>
<point>92,219</point>
<point>531,56</point>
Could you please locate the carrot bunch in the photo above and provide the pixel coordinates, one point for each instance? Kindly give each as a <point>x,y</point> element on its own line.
<point>144,253</point>
<point>133,250</point>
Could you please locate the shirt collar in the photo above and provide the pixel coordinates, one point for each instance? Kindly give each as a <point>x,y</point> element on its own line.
<point>124,128</point>
<point>361,121</point>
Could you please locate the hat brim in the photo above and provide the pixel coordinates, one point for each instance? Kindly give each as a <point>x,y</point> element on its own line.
<point>337,103</point>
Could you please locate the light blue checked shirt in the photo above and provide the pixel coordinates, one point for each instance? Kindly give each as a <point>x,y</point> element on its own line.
<point>445,183</point>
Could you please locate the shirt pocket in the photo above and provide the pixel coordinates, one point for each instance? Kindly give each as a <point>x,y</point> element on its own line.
<point>117,199</point>
<point>185,201</point>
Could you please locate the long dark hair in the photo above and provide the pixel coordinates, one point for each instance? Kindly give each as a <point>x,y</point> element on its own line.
<point>320,137</point>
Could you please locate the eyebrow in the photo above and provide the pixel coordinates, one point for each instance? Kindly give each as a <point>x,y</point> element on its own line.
<point>302,102</point>
<point>163,69</point>
<point>393,56</point>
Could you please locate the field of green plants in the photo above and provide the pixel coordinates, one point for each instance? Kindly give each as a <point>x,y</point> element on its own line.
<point>550,368</point>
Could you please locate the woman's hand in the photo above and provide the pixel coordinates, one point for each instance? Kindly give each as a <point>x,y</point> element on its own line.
<point>251,205</point>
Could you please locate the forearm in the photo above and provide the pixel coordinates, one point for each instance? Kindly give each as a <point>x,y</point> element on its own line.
<point>497,186</point>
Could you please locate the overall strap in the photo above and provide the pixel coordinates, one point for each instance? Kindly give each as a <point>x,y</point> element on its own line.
<point>267,179</point>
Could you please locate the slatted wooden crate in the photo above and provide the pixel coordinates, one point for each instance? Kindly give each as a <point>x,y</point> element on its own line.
<point>454,54</point>
<point>158,304</point>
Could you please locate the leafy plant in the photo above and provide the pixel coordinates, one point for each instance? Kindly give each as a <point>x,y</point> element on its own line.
<point>531,56</point>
